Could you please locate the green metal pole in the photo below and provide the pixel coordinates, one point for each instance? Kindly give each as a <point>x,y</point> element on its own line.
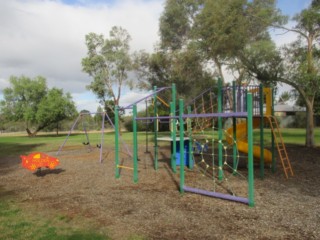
<point>116,140</point>
<point>181,125</point>
<point>173,137</point>
<point>155,125</point>
<point>174,132</point>
<point>274,168</point>
<point>234,127</point>
<point>220,154</point>
<point>191,163</point>
<point>261,97</point>
<point>250,151</point>
<point>135,145</point>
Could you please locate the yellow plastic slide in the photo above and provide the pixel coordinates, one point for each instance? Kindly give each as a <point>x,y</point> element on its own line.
<point>242,143</point>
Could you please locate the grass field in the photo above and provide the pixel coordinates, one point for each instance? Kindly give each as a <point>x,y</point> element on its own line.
<point>19,223</point>
<point>20,143</point>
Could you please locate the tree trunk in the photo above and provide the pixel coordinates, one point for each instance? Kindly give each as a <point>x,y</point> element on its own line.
<point>57,129</point>
<point>310,127</point>
<point>31,134</point>
<point>219,66</point>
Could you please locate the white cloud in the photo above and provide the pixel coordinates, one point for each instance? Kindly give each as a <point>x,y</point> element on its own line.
<point>85,101</point>
<point>47,37</point>
<point>132,97</point>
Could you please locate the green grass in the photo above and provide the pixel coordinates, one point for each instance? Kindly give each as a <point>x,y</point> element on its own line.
<point>290,136</point>
<point>16,224</point>
<point>13,145</point>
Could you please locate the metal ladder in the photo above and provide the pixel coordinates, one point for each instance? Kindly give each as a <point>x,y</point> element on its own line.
<point>280,146</point>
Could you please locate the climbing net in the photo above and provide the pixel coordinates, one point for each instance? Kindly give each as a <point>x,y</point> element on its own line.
<point>217,169</point>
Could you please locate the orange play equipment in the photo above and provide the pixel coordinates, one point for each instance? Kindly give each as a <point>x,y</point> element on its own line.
<point>37,160</point>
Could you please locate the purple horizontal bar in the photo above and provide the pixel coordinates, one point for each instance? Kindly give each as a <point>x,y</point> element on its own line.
<point>146,97</point>
<point>232,114</point>
<point>216,195</point>
<point>236,114</point>
<point>160,117</point>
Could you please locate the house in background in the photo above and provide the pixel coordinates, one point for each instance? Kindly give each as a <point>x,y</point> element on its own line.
<point>288,114</point>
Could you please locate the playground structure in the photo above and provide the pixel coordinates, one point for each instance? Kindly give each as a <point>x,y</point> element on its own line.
<point>213,154</point>
<point>253,103</point>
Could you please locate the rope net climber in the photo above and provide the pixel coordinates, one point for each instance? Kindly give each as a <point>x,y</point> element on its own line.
<point>202,104</point>
<point>207,175</point>
<point>215,167</point>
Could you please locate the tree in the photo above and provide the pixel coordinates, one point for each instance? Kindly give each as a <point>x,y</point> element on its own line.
<point>302,62</point>
<point>176,23</point>
<point>54,108</point>
<point>262,60</point>
<point>108,62</point>
<point>182,67</point>
<point>224,29</point>
<point>177,59</point>
<point>32,102</point>
<point>296,65</point>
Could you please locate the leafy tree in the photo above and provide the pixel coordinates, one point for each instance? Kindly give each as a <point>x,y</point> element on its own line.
<point>219,31</point>
<point>297,65</point>
<point>224,29</point>
<point>261,60</point>
<point>182,67</point>
<point>302,70</point>
<point>177,60</point>
<point>108,62</point>
<point>176,23</point>
<point>30,100</point>
<point>54,108</point>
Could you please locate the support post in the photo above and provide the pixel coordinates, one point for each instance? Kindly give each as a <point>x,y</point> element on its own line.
<point>173,137</point>
<point>234,128</point>
<point>190,154</point>
<point>261,102</point>
<point>174,132</point>
<point>147,128</point>
<point>181,131</point>
<point>74,124</point>
<point>220,153</point>
<point>155,126</point>
<point>135,144</point>
<point>274,166</point>
<point>102,134</point>
<point>250,151</point>
<point>116,140</point>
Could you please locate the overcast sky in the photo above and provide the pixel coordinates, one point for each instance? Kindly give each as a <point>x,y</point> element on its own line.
<point>46,37</point>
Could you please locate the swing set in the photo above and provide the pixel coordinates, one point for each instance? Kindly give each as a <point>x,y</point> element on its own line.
<point>81,119</point>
